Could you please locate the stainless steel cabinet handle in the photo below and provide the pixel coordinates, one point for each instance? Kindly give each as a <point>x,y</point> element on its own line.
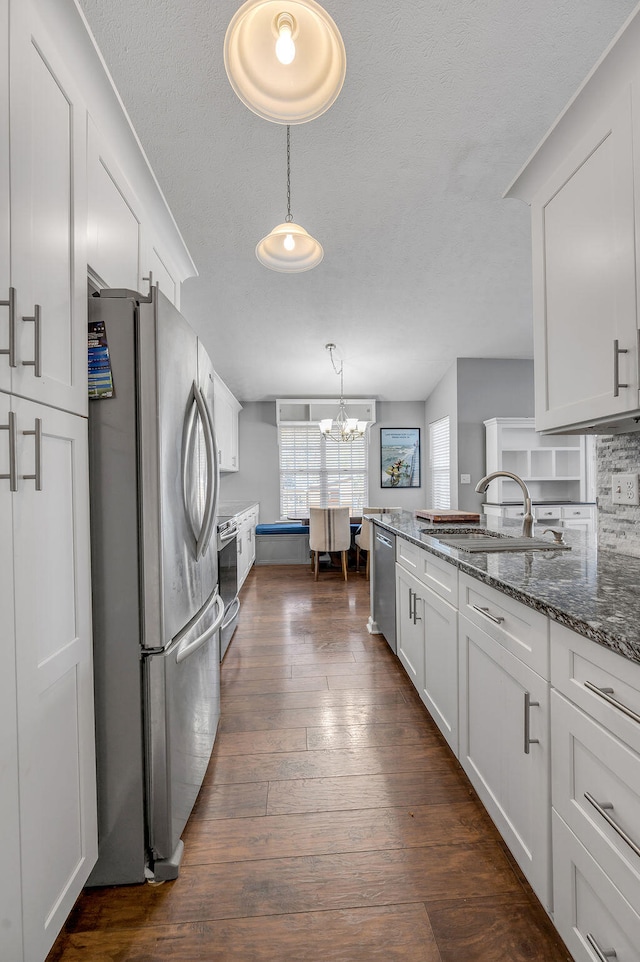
<point>528,704</point>
<point>606,694</point>
<point>601,809</point>
<point>36,364</point>
<point>497,619</point>
<point>416,616</point>
<point>601,954</point>
<point>37,434</point>
<point>617,351</point>
<point>12,477</point>
<point>410,607</point>
<point>11,350</point>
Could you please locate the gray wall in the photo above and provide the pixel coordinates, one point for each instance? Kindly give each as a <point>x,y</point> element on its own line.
<point>258,479</point>
<point>487,388</point>
<point>472,391</point>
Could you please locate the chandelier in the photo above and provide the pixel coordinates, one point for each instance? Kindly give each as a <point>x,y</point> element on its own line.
<point>342,427</point>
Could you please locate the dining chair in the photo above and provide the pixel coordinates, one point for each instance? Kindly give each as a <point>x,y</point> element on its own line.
<point>329,530</point>
<point>363,537</point>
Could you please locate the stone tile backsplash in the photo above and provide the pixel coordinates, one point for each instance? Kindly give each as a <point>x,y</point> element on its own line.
<point>618,524</point>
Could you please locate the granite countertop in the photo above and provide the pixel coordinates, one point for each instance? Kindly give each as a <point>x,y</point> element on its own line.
<point>596,593</point>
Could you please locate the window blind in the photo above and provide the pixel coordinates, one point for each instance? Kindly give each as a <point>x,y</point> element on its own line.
<point>439,463</point>
<point>316,472</point>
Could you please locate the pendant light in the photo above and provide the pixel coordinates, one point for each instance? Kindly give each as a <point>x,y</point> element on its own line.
<point>285,59</point>
<point>342,427</point>
<point>289,248</point>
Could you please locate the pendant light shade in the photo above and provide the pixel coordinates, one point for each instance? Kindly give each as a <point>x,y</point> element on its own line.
<point>285,59</point>
<point>289,249</point>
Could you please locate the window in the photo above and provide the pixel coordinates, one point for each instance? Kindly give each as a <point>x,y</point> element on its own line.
<point>316,472</point>
<point>439,464</point>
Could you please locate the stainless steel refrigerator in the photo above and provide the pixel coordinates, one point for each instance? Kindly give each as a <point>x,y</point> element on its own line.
<point>156,608</point>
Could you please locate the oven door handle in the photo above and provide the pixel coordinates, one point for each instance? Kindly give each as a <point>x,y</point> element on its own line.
<point>231,612</point>
<point>228,535</point>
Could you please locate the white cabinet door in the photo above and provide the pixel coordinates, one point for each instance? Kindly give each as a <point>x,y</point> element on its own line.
<point>113,227</point>
<point>58,830</point>
<point>10,900</point>
<point>225,415</point>
<point>504,748</point>
<point>5,260</point>
<point>583,219</point>
<point>410,625</point>
<point>440,687</point>
<point>48,219</point>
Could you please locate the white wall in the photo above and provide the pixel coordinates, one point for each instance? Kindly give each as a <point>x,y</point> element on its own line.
<point>258,479</point>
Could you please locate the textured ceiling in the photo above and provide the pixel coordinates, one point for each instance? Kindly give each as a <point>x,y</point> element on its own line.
<point>401,181</point>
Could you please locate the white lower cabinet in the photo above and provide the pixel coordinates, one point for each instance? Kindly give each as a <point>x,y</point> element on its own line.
<point>47,623</point>
<point>504,747</point>
<point>427,634</point>
<point>595,921</point>
<point>409,626</point>
<point>595,724</point>
<point>246,541</point>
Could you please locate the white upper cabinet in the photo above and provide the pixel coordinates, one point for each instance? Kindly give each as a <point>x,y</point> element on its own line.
<point>225,415</point>
<point>48,222</point>
<point>583,184</point>
<point>113,227</point>
<point>585,279</point>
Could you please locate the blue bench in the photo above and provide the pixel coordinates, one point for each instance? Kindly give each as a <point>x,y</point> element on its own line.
<point>285,543</point>
<point>282,527</point>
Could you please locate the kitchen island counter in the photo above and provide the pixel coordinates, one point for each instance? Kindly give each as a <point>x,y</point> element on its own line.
<point>595,593</point>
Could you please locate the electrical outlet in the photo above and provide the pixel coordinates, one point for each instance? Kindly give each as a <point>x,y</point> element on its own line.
<point>465,479</point>
<point>624,489</point>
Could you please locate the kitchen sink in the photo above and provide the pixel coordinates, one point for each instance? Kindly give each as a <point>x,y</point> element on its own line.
<point>474,541</point>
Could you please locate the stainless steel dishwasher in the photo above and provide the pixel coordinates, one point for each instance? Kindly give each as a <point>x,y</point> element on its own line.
<point>384,584</point>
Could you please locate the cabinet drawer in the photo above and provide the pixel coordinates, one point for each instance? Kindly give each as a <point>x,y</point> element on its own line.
<point>570,511</point>
<point>591,771</point>
<point>547,512</point>
<point>518,628</point>
<point>587,905</point>
<point>515,512</point>
<point>602,682</point>
<point>436,574</point>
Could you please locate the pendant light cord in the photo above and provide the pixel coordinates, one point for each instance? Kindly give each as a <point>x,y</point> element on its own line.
<point>289,216</point>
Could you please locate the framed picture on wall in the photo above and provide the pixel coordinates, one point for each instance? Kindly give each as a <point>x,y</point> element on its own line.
<point>400,457</point>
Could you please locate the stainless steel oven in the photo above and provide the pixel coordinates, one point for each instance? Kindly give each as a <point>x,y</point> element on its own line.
<point>228,579</point>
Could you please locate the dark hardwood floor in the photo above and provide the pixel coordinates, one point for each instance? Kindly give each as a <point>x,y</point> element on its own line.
<point>334,824</point>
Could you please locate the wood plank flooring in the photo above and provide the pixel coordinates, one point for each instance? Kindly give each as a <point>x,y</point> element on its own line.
<point>334,824</point>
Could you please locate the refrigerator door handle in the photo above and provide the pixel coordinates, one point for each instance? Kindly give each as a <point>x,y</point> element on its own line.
<point>197,409</point>
<point>186,648</point>
<point>214,474</point>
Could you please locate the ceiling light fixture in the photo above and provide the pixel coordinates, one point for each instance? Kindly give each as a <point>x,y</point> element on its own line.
<point>342,427</point>
<point>285,59</point>
<point>289,248</point>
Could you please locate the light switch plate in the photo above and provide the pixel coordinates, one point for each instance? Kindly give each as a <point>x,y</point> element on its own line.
<point>465,479</point>
<point>624,489</point>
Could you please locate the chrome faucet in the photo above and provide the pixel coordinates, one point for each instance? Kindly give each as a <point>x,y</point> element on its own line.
<point>527,521</point>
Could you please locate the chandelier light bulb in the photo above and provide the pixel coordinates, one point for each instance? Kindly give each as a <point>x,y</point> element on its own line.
<point>289,243</point>
<point>285,47</point>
